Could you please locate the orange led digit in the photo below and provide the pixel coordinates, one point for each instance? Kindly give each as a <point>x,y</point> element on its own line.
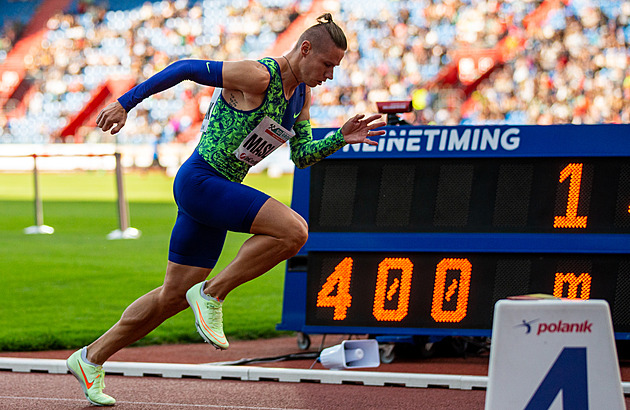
<point>574,281</point>
<point>440,293</point>
<point>402,286</point>
<point>342,300</point>
<point>571,219</point>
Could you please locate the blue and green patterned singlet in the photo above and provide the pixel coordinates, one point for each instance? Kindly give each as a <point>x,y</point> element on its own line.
<point>226,127</point>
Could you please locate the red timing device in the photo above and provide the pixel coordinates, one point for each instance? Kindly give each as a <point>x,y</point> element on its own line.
<point>394,107</point>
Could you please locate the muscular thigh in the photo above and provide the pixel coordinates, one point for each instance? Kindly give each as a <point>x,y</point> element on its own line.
<point>276,219</point>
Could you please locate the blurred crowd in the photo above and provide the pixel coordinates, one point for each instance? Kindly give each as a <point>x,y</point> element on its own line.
<point>85,47</point>
<point>573,70</point>
<point>570,66</point>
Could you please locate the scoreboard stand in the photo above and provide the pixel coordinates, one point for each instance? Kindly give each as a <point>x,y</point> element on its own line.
<point>422,234</point>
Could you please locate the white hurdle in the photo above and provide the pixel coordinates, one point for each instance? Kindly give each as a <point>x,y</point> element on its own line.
<point>124,231</point>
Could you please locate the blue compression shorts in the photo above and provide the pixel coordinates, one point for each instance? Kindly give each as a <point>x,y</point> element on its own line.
<point>209,205</point>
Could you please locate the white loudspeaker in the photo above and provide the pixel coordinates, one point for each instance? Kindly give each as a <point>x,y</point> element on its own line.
<point>351,354</point>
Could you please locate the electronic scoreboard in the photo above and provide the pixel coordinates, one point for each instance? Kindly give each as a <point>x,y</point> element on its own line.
<point>422,234</point>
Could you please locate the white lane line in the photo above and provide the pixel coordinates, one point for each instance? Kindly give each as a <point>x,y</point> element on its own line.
<point>147,403</point>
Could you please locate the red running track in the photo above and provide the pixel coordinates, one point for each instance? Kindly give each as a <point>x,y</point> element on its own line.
<point>55,391</point>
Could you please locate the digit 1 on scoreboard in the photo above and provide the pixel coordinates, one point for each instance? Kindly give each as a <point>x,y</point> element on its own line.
<point>571,219</point>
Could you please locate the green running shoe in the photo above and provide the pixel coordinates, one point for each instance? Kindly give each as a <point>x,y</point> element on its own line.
<point>208,317</point>
<point>91,378</point>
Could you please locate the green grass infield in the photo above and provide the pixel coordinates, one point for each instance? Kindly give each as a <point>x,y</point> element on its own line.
<point>64,290</point>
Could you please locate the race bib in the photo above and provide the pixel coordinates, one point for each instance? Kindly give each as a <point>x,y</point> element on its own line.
<point>262,141</point>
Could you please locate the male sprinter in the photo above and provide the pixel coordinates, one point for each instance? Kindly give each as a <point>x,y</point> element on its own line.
<point>258,105</point>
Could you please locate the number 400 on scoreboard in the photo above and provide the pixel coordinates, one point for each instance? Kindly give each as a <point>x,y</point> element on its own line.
<point>425,241</point>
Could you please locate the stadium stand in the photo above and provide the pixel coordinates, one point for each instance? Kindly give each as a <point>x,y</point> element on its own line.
<point>453,57</point>
<point>89,44</point>
<point>461,61</point>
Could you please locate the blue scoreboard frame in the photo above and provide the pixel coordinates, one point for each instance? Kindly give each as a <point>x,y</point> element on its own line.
<point>423,233</point>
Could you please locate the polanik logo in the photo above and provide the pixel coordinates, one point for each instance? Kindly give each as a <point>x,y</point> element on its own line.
<point>556,327</point>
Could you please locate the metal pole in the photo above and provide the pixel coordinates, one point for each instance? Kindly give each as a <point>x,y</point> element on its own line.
<point>123,212</point>
<point>39,227</point>
<point>39,211</point>
<point>125,231</point>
